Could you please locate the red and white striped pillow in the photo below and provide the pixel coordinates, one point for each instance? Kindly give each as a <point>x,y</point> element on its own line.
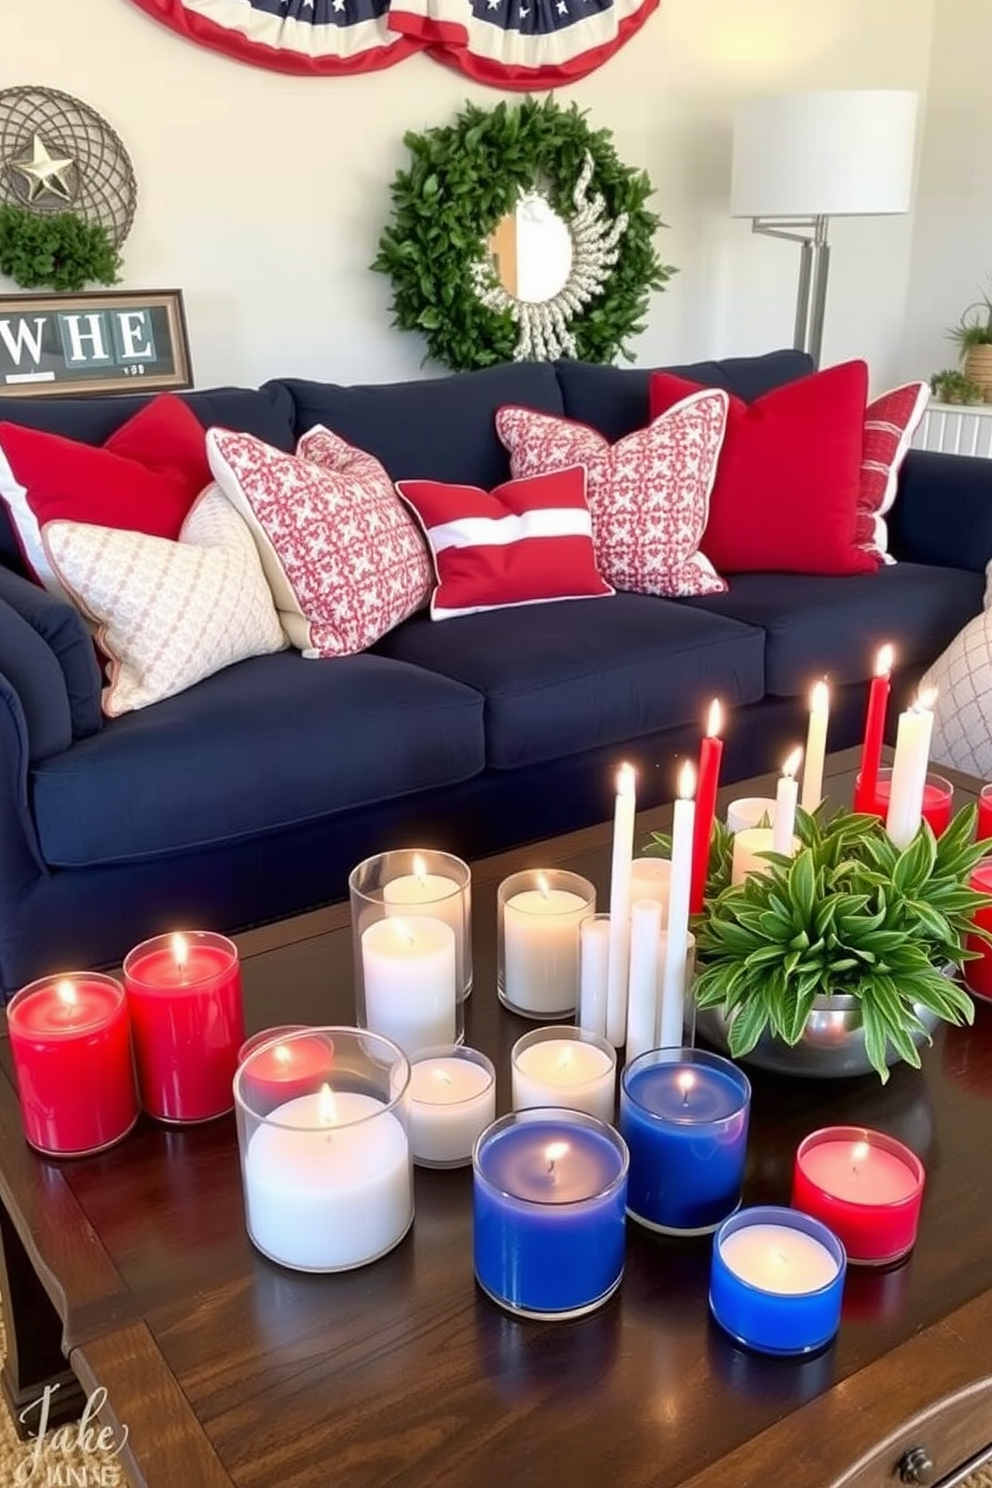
<point>890,423</point>
<point>527,542</point>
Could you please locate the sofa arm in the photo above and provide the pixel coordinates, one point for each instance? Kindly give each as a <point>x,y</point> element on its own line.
<point>31,669</point>
<point>22,868</point>
<point>943,512</point>
<point>62,628</point>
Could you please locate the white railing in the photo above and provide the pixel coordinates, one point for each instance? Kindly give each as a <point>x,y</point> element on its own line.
<point>956,429</point>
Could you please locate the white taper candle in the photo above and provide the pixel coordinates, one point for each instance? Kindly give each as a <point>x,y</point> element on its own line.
<point>816,746</point>
<point>623,847</point>
<point>786,799</point>
<point>673,972</point>
<point>909,770</point>
<point>645,969</point>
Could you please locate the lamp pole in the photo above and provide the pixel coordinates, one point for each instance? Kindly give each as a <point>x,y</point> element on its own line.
<point>814,269</point>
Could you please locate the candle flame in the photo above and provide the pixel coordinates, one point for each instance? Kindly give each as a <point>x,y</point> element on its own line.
<point>66,993</point>
<point>626,780</point>
<point>819,698</point>
<point>791,766</point>
<point>685,1081</point>
<point>884,660</point>
<point>441,1075</point>
<point>180,951</point>
<point>543,887</point>
<point>714,722</point>
<point>687,781</point>
<point>419,868</point>
<point>553,1152</point>
<point>859,1154</point>
<point>327,1106</point>
<point>925,700</point>
<point>402,929</point>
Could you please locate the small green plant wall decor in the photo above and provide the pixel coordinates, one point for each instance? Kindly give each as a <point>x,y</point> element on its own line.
<point>59,251</point>
<point>462,180</point>
<point>849,913</point>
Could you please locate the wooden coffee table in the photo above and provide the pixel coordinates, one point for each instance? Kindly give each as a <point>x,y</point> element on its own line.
<point>136,1268</point>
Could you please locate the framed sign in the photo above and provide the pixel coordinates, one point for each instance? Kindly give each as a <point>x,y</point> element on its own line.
<point>115,342</point>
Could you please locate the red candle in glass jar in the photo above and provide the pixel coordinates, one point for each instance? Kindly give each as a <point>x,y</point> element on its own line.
<point>938,800</point>
<point>984,829</point>
<point>863,1185</point>
<point>184,997</point>
<point>287,1067</point>
<point>978,974</point>
<point>71,1043</point>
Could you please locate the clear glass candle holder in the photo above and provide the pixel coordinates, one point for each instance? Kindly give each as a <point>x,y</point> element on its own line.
<point>452,1101</point>
<point>938,799</point>
<point>549,1194</point>
<point>566,1067</point>
<point>327,1173</point>
<point>408,882</point>
<point>70,1041</point>
<point>539,912</point>
<point>750,811</point>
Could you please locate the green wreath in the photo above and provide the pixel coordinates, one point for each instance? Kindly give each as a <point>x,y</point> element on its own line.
<point>462,181</point>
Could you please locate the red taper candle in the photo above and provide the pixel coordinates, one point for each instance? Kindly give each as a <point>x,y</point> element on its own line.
<point>710,754</point>
<point>871,749</point>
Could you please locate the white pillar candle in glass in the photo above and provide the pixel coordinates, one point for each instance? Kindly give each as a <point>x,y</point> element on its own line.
<point>327,1181</point>
<point>538,955</point>
<point>909,770</point>
<point>816,746</point>
<point>623,846</point>
<point>452,1101</point>
<point>645,977</point>
<point>677,942</point>
<point>651,878</point>
<point>410,985</point>
<point>564,1067</point>
<point>594,963</point>
<point>750,811</point>
<point>786,799</point>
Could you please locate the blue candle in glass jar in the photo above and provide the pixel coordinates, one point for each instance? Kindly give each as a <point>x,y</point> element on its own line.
<point>684,1115</point>
<point>777,1280</point>
<point>549,1198</point>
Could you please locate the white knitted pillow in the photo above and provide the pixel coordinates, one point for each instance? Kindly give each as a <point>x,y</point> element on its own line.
<point>168,614</point>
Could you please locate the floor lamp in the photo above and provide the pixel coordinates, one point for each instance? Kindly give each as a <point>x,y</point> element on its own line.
<point>800,159</point>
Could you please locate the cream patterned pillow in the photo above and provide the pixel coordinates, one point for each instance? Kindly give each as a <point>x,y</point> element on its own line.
<point>168,614</point>
<point>962,675</point>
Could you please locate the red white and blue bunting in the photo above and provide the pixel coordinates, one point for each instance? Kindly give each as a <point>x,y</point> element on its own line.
<point>517,44</point>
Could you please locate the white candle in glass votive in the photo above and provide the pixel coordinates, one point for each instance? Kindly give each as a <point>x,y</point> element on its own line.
<point>541,949</point>
<point>452,1101</point>
<point>651,878</point>
<point>776,1258</point>
<point>328,1187</point>
<point>909,770</point>
<point>410,984</point>
<point>563,1072</point>
<point>441,895</point>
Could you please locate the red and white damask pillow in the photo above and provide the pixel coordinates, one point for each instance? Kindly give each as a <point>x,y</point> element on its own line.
<point>648,493</point>
<point>344,559</point>
<point>527,542</point>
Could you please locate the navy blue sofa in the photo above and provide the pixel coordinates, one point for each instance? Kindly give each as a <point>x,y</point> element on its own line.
<point>250,796</point>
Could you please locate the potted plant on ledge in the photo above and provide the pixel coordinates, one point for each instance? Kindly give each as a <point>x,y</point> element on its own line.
<point>837,961</point>
<point>973,337</point>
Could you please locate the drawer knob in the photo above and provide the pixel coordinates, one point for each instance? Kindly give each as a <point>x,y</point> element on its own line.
<point>916,1467</point>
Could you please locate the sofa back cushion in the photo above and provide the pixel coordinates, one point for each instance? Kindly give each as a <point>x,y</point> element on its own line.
<point>268,413</point>
<point>441,429</point>
<point>616,401</point>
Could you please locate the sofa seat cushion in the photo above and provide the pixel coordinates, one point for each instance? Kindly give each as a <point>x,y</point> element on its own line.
<point>559,679</point>
<point>272,742</point>
<point>818,626</point>
<point>440,428</point>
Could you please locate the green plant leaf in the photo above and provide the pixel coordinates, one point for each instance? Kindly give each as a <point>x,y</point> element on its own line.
<point>60,251</point>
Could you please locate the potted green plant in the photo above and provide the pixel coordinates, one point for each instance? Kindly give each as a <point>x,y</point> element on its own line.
<point>840,953</point>
<point>951,386</point>
<point>973,337</point>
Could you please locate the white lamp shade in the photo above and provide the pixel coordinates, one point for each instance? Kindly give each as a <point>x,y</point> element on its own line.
<point>824,154</point>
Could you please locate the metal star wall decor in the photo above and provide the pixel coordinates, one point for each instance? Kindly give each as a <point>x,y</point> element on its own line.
<point>58,154</point>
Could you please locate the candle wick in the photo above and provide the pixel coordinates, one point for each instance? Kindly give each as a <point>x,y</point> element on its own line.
<point>685,1096</point>
<point>551,1167</point>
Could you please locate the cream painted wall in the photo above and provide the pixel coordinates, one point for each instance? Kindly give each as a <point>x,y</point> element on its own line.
<point>952,249</point>
<point>262,195</point>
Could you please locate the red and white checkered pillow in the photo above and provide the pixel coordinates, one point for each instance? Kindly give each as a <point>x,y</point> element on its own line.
<point>890,423</point>
<point>527,542</point>
<point>344,560</point>
<point>648,494</point>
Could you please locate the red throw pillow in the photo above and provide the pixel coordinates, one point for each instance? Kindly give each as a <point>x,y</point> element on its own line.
<point>144,479</point>
<point>890,423</point>
<point>527,542</point>
<point>789,479</point>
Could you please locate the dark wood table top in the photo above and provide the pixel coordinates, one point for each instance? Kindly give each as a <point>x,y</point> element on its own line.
<point>227,1368</point>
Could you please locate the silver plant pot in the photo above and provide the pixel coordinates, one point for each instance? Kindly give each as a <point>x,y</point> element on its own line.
<point>832,1044</point>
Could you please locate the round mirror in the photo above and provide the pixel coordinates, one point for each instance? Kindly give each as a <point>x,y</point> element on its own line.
<point>532,251</point>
